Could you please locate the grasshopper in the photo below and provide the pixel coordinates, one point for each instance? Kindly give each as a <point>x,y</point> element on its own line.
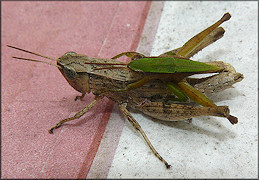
<point>163,94</point>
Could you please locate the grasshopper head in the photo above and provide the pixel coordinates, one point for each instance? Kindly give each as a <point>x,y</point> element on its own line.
<point>72,71</point>
<point>69,66</point>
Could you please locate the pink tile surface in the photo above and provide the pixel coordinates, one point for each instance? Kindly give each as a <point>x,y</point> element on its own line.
<point>36,96</point>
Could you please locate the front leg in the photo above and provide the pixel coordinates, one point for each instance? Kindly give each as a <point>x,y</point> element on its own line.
<point>77,115</point>
<point>132,55</point>
<point>80,97</point>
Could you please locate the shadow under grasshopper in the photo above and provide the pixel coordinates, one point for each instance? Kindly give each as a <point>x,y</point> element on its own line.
<point>164,95</point>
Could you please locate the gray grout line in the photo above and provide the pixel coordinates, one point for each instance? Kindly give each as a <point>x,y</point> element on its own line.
<point>150,28</point>
<point>107,148</point>
<point>112,134</point>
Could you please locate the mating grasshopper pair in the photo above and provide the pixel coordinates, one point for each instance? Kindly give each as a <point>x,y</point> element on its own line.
<point>157,86</point>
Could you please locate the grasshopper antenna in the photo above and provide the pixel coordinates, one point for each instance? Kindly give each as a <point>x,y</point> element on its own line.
<point>50,58</point>
<point>34,60</point>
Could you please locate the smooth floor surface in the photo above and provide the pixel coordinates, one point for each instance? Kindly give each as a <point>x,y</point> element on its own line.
<point>102,144</point>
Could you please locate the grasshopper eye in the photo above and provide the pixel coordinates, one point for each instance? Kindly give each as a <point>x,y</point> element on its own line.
<point>70,52</point>
<point>70,72</point>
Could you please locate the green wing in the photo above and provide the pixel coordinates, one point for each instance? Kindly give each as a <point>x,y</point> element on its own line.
<point>170,65</point>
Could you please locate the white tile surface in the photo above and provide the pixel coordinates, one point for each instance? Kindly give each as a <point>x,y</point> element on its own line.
<point>210,147</point>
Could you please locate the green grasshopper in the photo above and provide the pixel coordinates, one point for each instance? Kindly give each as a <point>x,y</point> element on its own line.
<point>150,89</point>
<point>174,69</point>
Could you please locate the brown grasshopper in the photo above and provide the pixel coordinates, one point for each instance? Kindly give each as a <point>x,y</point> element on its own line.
<point>134,89</point>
